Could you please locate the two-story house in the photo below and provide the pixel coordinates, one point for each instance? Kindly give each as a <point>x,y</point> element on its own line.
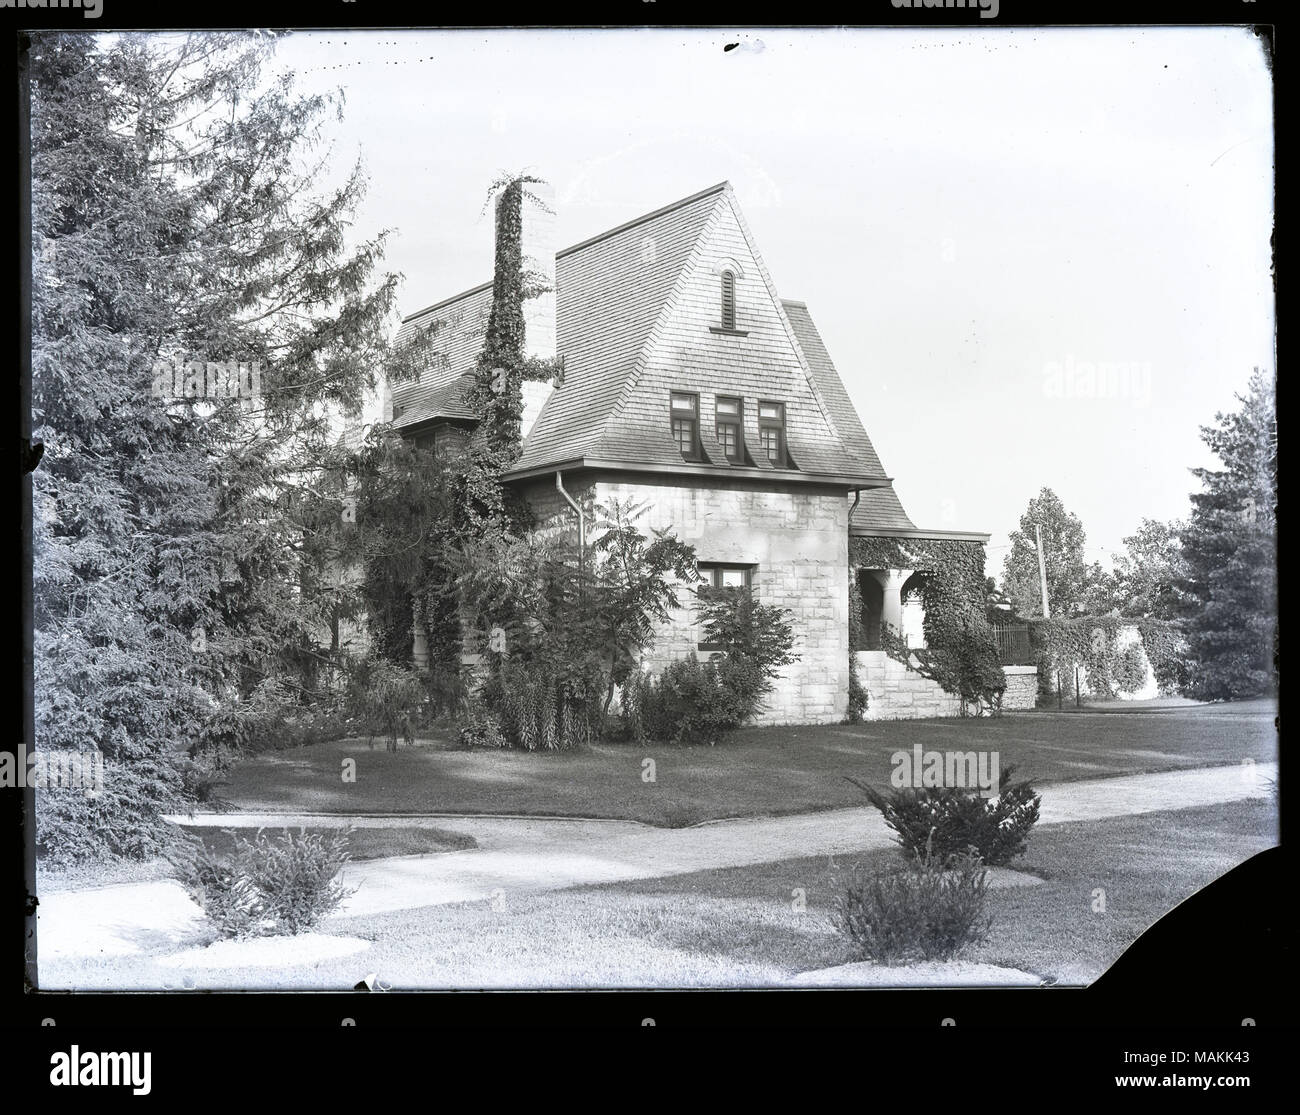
<point>690,384</point>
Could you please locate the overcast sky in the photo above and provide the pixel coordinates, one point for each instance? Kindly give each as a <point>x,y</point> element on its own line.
<point>971,218</point>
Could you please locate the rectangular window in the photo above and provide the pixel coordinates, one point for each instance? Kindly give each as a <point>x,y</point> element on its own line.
<point>719,578</point>
<point>771,431</point>
<point>685,412</point>
<point>730,423</point>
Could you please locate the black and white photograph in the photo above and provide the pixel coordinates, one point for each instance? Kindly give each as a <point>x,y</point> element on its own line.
<point>662,508</point>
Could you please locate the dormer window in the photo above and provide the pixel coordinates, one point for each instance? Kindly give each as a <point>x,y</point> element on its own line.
<point>685,417</point>
<point>728,300</point>
<point>729,426</point>
<point>771,431</point>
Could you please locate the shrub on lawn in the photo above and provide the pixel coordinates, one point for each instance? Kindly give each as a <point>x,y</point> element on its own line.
<point>947,821</point>
<point>387,699</point>
<point>691,701</point>
<point>699,702</point>
<point>673,706</point>
<point>539,707</point>
<point>927,910</point>
<point>480,728</point>
<point>227,896</point>
<point>265,886</point>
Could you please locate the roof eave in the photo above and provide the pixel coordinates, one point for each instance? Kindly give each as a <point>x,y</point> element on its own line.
<point>919,533</point>
<point>405,428</point>
<point>713,472</point>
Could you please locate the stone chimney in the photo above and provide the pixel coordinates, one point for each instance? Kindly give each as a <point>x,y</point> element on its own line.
<point>537,245</point>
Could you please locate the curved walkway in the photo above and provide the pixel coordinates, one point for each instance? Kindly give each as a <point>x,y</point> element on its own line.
<point>523,855</point>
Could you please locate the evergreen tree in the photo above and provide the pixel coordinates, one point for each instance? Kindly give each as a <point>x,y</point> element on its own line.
<point>1230,548</point>
<point>182,543</point>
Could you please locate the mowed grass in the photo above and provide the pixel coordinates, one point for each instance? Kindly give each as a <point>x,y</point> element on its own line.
<point>743,927</point>
<point>758,771</point>
<point>373,843</point>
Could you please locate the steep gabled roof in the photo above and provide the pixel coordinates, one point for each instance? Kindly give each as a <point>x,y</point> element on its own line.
<point>611,290</point>
<point>439,392</point>
<point>878,508</point>
<point>843,414</point>
<point>631,323</point>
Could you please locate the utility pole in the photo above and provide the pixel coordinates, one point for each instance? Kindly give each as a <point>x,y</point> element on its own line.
<point>1042,571</point>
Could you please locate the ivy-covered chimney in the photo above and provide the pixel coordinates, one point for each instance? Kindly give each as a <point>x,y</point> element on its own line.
<point>537,244</point>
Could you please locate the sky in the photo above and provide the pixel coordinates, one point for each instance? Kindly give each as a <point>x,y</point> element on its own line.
<point>975,220</point>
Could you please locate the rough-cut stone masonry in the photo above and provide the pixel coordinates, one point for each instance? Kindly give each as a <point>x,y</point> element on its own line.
<point>796,537</point>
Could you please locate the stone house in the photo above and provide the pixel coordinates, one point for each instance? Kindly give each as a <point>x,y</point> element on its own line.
<point>691,385</point>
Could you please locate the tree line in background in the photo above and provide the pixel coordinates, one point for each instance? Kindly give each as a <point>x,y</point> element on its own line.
<point>1211,577</point>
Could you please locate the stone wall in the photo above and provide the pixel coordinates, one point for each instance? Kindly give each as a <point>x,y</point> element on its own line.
<point>796,537</point>
<point>1022,687</point>
<point>895,692</point>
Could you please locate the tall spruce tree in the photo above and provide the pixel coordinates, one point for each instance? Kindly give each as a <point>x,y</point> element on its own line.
<point>175,220</point>
<point>1229,545</point>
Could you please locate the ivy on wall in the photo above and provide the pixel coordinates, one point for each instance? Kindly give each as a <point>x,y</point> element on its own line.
<point>1094,643</point>
<point>960,653</point>
<point>496,393</point>
<point>858,699</point>
<point>422,511</point>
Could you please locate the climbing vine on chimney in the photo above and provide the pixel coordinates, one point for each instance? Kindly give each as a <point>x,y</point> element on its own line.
<point>502,368</point>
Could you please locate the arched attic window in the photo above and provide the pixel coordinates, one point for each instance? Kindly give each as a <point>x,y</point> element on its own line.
<point>728,299</point>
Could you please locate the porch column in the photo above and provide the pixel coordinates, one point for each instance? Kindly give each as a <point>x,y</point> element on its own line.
<point>891,583</point>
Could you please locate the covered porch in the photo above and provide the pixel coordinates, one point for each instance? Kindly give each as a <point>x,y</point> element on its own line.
<point>891,598</point>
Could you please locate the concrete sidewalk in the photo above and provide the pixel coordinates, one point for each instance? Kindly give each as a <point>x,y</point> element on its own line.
<point>527,855</point>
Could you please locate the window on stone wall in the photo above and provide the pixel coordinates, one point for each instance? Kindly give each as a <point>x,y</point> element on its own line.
<point>720,577</point>
<point>730,424</point>
<point>684,412</point>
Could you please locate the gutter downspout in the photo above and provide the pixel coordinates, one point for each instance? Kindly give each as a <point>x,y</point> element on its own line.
<point>582,518</point>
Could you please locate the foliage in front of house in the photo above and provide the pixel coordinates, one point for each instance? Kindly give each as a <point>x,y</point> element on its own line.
<point>265,886</point>
<point>559,632</point>
<point>946,821</point>
<point>387,699</point>
<point>700,702</point>
<point>930,909</point>
<point>960,653</point>
<point>426,516</point>
<point>1113,664</point>
<point>556,631</point>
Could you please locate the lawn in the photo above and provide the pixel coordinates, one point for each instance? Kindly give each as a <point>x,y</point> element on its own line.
<point>740,926</point>
<point>759,771</point>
